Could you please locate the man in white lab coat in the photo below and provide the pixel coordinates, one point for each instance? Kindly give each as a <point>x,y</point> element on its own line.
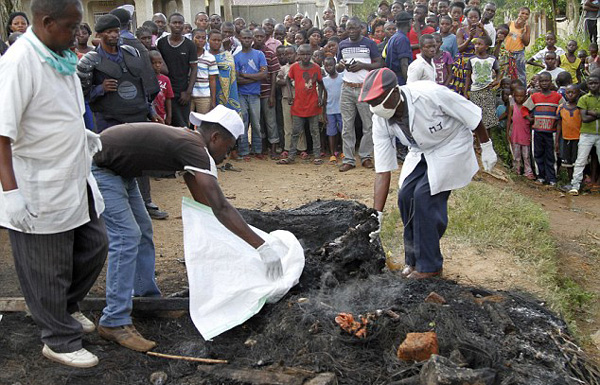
<point>436,124</point>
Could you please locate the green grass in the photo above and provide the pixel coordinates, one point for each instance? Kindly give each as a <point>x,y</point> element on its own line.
<point>489,218</point>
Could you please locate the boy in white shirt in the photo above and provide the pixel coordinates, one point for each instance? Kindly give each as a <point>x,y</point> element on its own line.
<point>422,67</point>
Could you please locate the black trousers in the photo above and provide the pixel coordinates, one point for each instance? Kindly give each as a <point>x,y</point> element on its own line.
<point>180,115</point>
<point>591,25</point>
<point>56,271</point>
<point>543,152</point>
<point>425,219</point>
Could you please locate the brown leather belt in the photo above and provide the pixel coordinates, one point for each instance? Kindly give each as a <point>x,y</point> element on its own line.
<point>353,85</point>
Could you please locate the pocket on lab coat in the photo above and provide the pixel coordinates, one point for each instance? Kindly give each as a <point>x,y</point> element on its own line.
<point>55,189</point>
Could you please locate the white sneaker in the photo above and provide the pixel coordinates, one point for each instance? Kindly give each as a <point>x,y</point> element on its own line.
<point>574,192</point>
<point>88,326</point>
<point>79,359</point>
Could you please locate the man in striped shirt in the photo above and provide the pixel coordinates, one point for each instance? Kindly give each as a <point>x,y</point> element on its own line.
<point>267,92</point>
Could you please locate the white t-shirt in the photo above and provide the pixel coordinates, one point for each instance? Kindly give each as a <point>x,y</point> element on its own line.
<point>554,73</point>
<point>50,156</point>
<point>419,69</point>
<point>539,56</point>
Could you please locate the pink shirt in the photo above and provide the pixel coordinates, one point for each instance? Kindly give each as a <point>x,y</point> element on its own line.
<point>272,44</point>
<point>521,130</point>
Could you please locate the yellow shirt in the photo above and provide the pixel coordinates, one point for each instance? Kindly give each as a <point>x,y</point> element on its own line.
<point>570,67</point>
<point>513,41</point>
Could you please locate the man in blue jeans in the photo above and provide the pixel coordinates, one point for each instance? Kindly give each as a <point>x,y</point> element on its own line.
<point>251,66</point>
<point>131,150</point>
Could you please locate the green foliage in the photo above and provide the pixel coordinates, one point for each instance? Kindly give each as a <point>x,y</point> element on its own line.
<point>6,8</point>
<point>365,9</point>
<point>491,218</point>
<point>501,145</point>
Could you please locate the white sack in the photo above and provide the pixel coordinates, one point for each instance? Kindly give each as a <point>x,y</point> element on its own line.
<point>227,278</point>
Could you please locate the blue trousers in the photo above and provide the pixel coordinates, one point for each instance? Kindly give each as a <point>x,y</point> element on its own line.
<point>425,219</point>
<point>251,115</point>
<point>543,152</point>
<point>131,252</point>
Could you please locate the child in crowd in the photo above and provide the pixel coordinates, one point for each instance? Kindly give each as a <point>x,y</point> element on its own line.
<point>204,93</point>
<point>589,136</point>
<point>551,66</point>
<point>290,36</point>
<point>300,38</point>
<point>502,108</point>
<point>144,35</point>
<point>563,80</point>
<point>317,57</point>
<point>442,62</point>
<point>482,75</point>
<point>333,88</point>
<point>571,63</point>
<point>433,22</point>
<point>518,134</point>
<point>331,47</point>
<point>162,102</point>
<point>567,129</point>
<point>306,102</point>
<point>422,67</point>
<point>533,85</point>
<point>187,29</point>
<point>286,95</point>
<point>593,61</point>
<point>501,53</point>
<point>448,38</point>
<point>543,106</point>
<point>541,54</point>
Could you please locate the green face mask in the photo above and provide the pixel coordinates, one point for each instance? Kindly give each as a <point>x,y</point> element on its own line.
<point>64,64</point>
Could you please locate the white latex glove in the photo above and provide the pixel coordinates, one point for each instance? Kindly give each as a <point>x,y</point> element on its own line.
<point>93,142</point>
<point>271,260</point>
<point>375,234</point>
<point>19,213</point>
<point>488,156</point>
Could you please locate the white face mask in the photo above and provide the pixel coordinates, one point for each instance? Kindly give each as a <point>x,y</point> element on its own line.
<point>385,113</point>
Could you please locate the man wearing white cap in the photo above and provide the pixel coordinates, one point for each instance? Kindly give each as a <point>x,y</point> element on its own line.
<point>130,151</point>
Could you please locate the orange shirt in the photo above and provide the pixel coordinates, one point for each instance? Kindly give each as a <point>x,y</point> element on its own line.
<point>570,121</point>
<point>513,41</point>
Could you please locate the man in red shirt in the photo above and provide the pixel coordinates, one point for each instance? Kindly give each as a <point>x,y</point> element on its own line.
<point>418,28</point>
<point>306,103</point>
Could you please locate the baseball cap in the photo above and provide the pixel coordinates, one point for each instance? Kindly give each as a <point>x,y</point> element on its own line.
<point>222,115</point>
<point>377,83</point>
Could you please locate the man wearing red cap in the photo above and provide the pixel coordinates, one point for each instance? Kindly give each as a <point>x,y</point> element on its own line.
<point>440,159</point>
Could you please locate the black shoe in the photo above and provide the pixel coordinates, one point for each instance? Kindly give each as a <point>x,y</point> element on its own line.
<point>157,214</point>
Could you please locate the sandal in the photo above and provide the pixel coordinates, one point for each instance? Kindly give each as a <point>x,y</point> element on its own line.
<point>285,161</point>
<point>284,154</point>
<point>303,155</point>
<point>332,159</point>
<point>247,158</point>
<point>318,161</point>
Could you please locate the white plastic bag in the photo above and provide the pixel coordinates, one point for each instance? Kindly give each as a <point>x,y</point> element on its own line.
<point>227,279</point>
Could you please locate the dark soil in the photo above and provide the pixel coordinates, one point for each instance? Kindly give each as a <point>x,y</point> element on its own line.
<point>516,337</point>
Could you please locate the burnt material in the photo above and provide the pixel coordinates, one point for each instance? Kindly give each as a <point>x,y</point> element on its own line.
<point>500,338</point>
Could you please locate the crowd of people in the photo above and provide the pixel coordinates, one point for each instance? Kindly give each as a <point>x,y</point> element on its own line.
<point>413,83</point>
<point>253,68</point>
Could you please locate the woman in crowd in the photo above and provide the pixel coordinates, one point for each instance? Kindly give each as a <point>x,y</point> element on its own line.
<point>227,92</point>
<point>464,39</point>
<point>17,22</point>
